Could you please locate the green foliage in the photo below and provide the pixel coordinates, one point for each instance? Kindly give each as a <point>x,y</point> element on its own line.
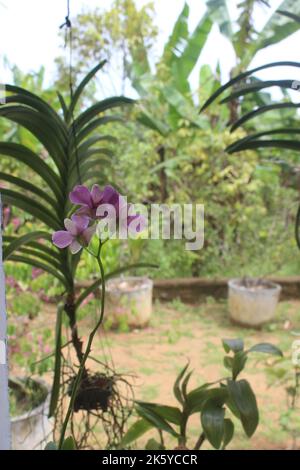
<point>281,372</point>
<point>62,168</point>
<point>212,401</point>
<point>68,444</point>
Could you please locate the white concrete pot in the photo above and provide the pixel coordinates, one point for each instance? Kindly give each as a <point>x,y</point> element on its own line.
<point>129,301</point>
<point>252,304</point>
<point>32,430</point>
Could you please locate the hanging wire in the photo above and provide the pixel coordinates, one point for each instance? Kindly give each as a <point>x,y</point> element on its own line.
<point>69,40</point>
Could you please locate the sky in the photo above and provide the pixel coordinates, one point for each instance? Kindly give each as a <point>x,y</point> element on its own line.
<point>29,35</point>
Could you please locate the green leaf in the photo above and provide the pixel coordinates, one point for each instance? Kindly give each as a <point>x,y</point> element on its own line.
<point>290,15</point>
<point>278,27</point>
<point>178,36</point>
<point>69,444</point>
<point>266,348</point>
<point>228,432</point>
<point>177,388</point>
<point>43,128</point>
<point>219,14</point>
<point>259,144</point>
<point>169,413</point>
<point>244,399</point>
<point>104,105</point>
<point>63,105</point>
<point>40,265</point>
<point>94,140</point>
<point>153,123</point>
<point>228,362</point>
<point>23,240</point>
<point>57,367</point>
<point>33,161</point>
<point>38,104</point>
<point>92,126</point>
<point>197,397</point>
<point>152,444</point>
<point>241,77</point>
<point>187,60</point>
<point>155,419</point>
<point>137,430</point>
<point>185,383</point>
<point>82,86</point>
<point>257,86</point>
<point>27,186</point>
<point>263,109</point>
<point>238,363</point>
<point>212,420</point>
<point>234,345</point>
<point>51,446</point>
<point>29,205</point>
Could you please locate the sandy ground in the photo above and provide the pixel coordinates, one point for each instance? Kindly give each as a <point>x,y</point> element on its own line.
<point>179,333</point>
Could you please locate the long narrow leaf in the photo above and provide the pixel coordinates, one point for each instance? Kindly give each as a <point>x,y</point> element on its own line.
<point>57,367</point>
<point>23,240</point>
<point>244,75</point>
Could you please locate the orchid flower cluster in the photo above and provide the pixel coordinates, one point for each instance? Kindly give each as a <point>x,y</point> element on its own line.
<point>98,209</point>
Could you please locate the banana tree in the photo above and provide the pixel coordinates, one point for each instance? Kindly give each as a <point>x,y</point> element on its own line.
<point>166,99</point>
<point>247,41</point>
<point>283,116</point>
<point>74,150</point>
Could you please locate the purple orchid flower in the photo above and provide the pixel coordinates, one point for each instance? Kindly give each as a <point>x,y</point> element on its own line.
<point>77,234</point>
<point>89,200</point>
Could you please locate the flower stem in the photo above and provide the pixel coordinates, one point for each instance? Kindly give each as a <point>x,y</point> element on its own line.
<point>87,351</point>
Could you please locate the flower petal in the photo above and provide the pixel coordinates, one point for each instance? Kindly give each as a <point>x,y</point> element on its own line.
<point>75,247</point>
<point>110,196</point>
<point>62,238</point>
<point>81,222</point>
<point>96,194</point>
<point>71,227</point>
<point>81,196</point>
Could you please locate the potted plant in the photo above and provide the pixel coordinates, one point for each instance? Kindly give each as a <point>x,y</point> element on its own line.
<point>29,408</point>
<point>252,302</point>
<point>128,301</point>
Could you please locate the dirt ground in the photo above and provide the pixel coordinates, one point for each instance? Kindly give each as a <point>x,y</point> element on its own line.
<point>179,333</point>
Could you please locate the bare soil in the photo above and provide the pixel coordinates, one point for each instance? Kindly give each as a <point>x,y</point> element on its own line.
<point>179,333</point>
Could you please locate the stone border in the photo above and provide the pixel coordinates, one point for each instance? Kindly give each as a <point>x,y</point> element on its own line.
<point>192,290</point>
<point>197,289</point>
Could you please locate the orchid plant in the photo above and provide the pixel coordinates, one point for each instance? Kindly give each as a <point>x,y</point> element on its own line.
<point>71,150</point>
<point>79,230</point>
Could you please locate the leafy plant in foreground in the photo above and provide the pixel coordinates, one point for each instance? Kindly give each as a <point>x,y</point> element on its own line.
<point>215,403</point>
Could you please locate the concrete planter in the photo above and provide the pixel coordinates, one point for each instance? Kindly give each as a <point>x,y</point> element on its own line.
<point>252,303</point>
<point>129,301</point>
<point>32,430</point>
